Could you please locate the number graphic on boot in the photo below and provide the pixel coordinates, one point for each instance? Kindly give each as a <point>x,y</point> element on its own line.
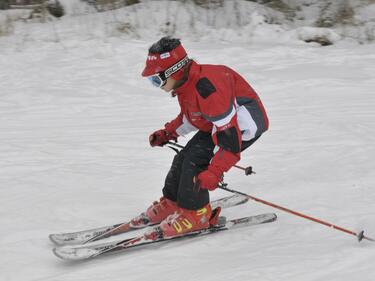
<point>177,226</point>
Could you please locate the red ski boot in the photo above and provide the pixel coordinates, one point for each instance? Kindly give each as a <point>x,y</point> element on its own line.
<point>184,221</point>
<point>156,213</point>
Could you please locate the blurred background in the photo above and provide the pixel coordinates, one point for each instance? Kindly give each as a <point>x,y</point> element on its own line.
<point>322,21</point>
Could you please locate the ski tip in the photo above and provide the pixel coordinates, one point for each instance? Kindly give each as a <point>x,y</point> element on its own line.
<point>69,254</point>
<point>57,253</point>
<point>241,199</point>
<point>52,238</point>
<point>72,253</point>
<point>55,240</point>
<point>272,217</point>
<point>244,199</point>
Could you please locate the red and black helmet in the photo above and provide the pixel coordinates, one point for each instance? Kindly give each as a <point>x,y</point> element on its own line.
<point>166,63</point>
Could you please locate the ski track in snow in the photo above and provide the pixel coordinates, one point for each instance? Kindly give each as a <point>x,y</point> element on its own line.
<point>74,154</point>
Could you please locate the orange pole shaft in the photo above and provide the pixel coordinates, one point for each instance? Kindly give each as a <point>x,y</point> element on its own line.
<point>360,235</point>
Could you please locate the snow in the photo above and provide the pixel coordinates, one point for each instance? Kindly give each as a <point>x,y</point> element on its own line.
<point>75,116</point>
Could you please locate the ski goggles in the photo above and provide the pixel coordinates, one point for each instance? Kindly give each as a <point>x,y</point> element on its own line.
<point>160,79</point>
<point>157,80</point>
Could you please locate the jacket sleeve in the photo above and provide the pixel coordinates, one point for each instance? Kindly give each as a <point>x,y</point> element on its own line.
<point>216,100</point>
<point>228,139</point>
<point>179,126</point>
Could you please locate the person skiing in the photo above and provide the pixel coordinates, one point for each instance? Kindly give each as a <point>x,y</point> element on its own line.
<point>217,102</point>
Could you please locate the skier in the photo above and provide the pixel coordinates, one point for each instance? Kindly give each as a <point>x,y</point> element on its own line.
<point>229,117</point>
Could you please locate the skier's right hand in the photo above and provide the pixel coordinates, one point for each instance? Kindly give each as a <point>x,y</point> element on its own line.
<point>161,137</point>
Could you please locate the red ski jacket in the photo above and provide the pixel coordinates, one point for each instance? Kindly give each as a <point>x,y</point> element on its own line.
<point>217,99</point>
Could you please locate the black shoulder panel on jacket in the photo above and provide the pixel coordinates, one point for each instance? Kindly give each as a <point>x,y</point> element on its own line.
<point>228,140</point>
<point>205,88</point>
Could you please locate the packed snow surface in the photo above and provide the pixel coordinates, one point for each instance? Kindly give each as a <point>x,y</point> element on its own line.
<point>75,116</point>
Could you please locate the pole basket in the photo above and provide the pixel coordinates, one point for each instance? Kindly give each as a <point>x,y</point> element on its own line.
<point>249,171</point>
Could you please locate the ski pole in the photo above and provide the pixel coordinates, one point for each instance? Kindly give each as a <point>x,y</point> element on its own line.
<point>248,170</point>
<point>175,144</point>
<point>360,236</point>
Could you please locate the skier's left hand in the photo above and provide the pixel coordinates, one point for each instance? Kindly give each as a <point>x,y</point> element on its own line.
<point>210,178</point>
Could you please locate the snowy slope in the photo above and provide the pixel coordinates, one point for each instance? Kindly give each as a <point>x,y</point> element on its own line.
<point>74,122</point>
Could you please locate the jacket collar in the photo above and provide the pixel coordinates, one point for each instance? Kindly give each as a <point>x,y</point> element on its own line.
<point>192,78</point>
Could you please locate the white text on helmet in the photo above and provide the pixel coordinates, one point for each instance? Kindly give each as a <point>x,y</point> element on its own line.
<point>152,57</point>
<point>165,55</point>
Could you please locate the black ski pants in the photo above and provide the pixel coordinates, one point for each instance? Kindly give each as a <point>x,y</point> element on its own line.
<point>189,162</point>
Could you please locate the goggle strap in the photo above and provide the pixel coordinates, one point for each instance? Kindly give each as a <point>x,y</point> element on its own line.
<point>162,76</point>
<point>174,68</point>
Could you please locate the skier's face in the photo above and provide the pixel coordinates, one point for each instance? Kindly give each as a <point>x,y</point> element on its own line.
<point>169,85</point>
